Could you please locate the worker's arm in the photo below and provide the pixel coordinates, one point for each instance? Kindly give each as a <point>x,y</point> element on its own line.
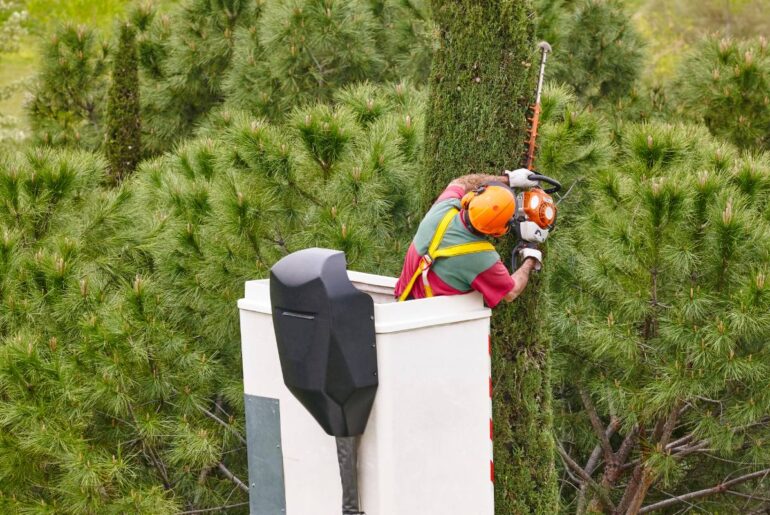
<point>475,180</point>
<point>520,278</point>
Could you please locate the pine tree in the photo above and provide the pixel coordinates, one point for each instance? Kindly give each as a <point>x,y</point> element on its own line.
<point>597,50</point>
<point>660,314</point>
<point>725,84</point>
<point>406,37</point>
<point>69,95</point>
<point>118,338</point>
<point>192,64</point>
<point>305,50</point>
<point>124,125</point>
<point>476,120</point>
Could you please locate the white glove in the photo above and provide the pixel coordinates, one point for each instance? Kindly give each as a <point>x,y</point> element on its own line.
<point>535,254</point>
<point>520,178</point>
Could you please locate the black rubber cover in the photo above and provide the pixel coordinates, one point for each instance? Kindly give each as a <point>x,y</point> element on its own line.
<point>326,341</point>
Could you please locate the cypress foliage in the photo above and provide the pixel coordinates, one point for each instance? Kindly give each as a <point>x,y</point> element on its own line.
<point>67,107</point>
<point>480,87</point>
<point>725,84</point>
<point>124,124</point>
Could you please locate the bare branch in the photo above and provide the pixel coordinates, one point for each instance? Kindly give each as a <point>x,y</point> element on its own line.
<point>631,488</point>
<point>602,493</point>
<point>222,423</point>
<point>592,464</point>
<point>629,442</point>
<point>717,489</point>
<point>680,441</point>
<point>229,475</point>
<point>681,452</point>
<point>593,460</point>
<point>596,422</point>
<point>750,497</point>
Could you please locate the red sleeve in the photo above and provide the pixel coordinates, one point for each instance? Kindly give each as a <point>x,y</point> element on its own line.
<point>494,283</point>
<point>452,191</point>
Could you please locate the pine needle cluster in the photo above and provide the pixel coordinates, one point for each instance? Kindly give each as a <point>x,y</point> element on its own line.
<point>597,50</point>
<point>726,85</point>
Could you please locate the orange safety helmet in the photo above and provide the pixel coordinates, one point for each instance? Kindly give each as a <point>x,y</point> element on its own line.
<point>490,208</point>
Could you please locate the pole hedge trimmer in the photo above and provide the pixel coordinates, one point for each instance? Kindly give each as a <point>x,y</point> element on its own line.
<point>535,209</point>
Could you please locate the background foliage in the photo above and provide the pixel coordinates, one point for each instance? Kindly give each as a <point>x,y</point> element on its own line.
<point>271,126</point>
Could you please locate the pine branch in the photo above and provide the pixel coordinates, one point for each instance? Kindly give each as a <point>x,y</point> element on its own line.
<point>229,475</point>
<point>596,422</point>
<point>629,442</point>
<point>222,423</point>
<point>631,488</point>
<point>572,464</point>
<point>150,454</point>
<point>592,464</point>
<point>717,489</point>
<point>677,451</point>
<point>647,474</point>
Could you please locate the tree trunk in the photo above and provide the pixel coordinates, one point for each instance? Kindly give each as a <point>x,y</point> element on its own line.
<point>481,84</point>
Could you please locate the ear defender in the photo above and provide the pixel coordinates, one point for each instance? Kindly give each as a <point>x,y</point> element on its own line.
<point>466,200</point>
<point>490,208</point>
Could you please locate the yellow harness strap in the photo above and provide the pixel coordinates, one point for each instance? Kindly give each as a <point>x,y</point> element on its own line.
<point>435,253</point>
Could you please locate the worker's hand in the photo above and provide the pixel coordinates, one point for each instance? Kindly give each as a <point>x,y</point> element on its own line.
<point>520,178</point>
<point>531,253</point>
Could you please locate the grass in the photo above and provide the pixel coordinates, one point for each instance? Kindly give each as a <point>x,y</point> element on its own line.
<point>17,66</point>
<point>99,13</point>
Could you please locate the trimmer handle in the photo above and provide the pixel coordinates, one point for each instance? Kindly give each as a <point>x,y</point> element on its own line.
<point>515,253</point>
<point>542,178</point>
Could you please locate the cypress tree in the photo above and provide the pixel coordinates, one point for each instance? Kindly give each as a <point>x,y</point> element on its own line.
<point>124,124</point>
<point>480,89</point>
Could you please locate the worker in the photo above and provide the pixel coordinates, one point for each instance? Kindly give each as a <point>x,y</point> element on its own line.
<point>455,229</point>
